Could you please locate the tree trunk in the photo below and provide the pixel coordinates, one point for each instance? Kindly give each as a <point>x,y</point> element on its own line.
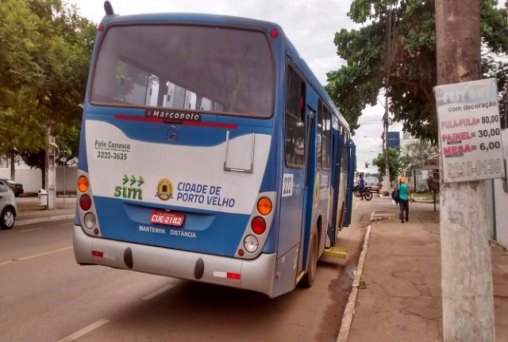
<point>465,217</point>
<point>43,175</point>
<point>13,169</point>
<point>43,171</point>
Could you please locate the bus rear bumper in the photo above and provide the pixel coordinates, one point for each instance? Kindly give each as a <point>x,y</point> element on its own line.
<point>256,275</point>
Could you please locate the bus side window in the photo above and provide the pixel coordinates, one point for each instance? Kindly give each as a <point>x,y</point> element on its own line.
<point>345,151</point>
<point>325,121</point>
<point>319,135</point>
<point>295,116</point>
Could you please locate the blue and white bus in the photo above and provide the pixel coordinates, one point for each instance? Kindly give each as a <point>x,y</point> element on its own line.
<point>209,152</point>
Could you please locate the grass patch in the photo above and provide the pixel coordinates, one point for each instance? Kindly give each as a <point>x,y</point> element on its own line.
<point>425,196</point>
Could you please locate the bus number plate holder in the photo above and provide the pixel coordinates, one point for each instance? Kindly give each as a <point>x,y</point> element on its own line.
<point>167,218</point>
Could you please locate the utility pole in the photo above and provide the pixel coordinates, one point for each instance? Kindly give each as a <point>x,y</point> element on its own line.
<point>386,180</point>
<point>465,217</point>
<point>388,64</point>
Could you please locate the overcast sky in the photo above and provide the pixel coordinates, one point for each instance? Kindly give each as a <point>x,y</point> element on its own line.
<point>309,24</point>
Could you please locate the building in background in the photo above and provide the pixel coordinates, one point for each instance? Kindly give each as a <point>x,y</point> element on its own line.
<point>31,178</point>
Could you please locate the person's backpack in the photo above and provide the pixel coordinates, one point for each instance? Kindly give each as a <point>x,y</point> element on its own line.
<point>395,194</point>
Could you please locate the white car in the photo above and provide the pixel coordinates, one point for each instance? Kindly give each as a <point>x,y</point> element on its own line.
<point>373,183</point>
<point>7,206</point>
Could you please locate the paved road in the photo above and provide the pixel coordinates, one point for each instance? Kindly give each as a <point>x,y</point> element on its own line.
<point>46,296</point>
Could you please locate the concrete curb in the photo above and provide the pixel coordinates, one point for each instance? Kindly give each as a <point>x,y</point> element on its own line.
<point>43,219</point>
<point>349,311</point>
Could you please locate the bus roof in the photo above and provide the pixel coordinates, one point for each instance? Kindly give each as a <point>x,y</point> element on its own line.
<point>191,18</point>
<point>230,21</point>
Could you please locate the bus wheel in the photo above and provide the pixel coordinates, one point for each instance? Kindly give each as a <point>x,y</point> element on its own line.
<point>309,277</point>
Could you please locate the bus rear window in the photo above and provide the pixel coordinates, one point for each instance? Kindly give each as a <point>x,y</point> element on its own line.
<point>196,68</point>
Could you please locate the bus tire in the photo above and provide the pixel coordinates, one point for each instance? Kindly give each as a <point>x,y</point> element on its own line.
<point>309,277</point>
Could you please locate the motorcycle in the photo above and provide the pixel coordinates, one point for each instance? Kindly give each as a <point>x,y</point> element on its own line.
<point>364,193</point>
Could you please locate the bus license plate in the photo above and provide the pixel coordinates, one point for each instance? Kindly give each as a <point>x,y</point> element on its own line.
<point>167,218</point>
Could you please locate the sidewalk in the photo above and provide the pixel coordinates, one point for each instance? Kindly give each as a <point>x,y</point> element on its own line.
<point>29,210</point>
<point>399,295</point>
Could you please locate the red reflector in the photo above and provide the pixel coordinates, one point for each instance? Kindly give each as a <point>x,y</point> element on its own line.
<point>234,276</point>
<point>97,254</point>
<point>100,28</point>
<point>85,202</point>
<point>274,33</point>
<point>258,225</point>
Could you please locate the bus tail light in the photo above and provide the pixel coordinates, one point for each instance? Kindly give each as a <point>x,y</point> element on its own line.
<point>83,184</point>
<point>89,220</point>
<point>258,225</point>
<point>251,243</point>
<point>87,211</point>
<point>264,206</point>
<point>85,202</point>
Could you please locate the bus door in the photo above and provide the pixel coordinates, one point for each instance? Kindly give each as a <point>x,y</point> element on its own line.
<point>311,186</point>
<point>336,167</point>
<point>350,180</point>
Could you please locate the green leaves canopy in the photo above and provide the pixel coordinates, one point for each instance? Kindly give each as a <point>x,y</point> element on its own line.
<point>412,74</point>
<point>44,59</point>
<point>417,154</point>
<point>393,163</point>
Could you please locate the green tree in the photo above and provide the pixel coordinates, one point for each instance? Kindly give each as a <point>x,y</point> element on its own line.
<point>44,60</point>
<point>19,128</point>
<point>410,79</point>
<point>393,163</point>
<point>417,154</point>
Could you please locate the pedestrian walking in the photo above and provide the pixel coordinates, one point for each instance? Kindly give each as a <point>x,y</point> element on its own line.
<point>404,196</point>
<point>361,185</point>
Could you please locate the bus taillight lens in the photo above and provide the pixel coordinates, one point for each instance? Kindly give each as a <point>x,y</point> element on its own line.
<point>258,225</point>
<point>89,220</point>
<point>85,202</point>
<point>250,243</point>
<point>83,184</point>
<point>264,206</point>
